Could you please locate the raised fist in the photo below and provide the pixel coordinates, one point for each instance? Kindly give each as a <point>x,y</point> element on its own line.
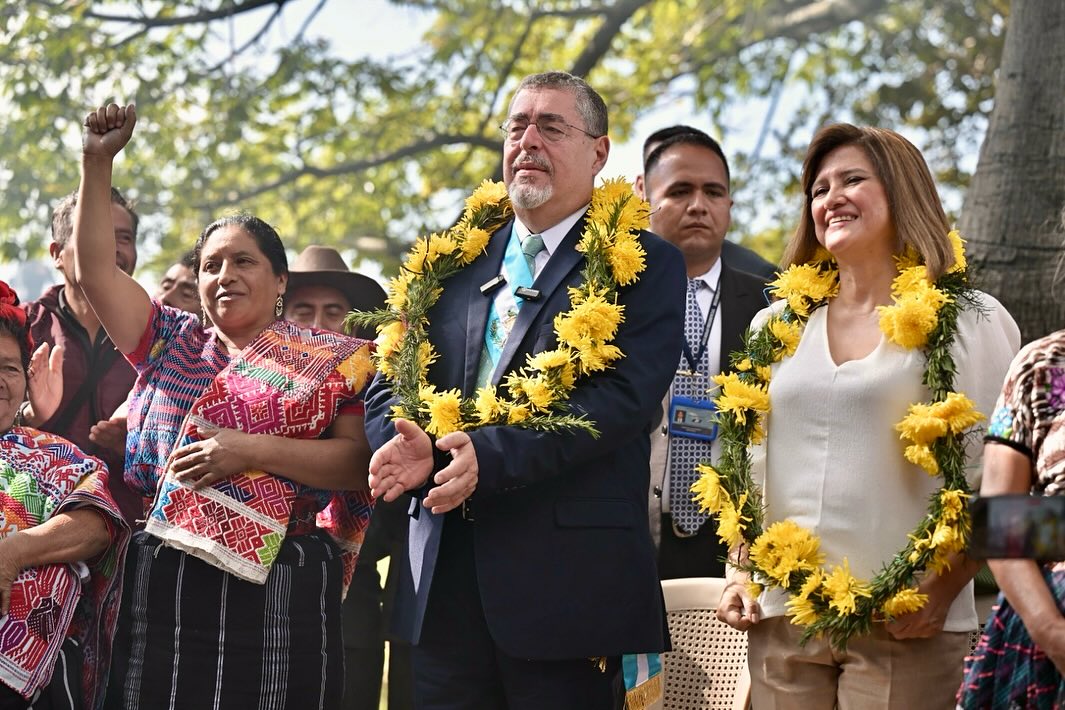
<point>107,130</point>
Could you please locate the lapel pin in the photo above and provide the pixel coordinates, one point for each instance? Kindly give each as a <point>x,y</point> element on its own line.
<point>492,284</point>
<point>528,294</point>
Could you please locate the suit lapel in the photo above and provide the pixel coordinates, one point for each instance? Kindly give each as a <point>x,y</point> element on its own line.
<point>481,271</point>
<point>735,296</point>
<point>558,267</point>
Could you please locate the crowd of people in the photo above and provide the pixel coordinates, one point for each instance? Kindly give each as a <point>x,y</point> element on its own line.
<point>197,484</point>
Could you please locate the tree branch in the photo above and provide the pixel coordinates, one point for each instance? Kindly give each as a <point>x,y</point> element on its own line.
<point>308,20</point>
<point>786,21</point>
<point>258,35</point>
<point>206,16</point>
<point>357,166</point>
<point>613,19</point>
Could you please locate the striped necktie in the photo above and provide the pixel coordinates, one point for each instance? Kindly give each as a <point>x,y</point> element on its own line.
<point>685,452</point>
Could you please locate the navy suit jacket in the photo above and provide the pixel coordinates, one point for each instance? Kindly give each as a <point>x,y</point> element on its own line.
<point>565,564</point>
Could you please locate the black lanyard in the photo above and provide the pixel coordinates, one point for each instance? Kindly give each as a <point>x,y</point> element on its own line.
<point>696,358</point>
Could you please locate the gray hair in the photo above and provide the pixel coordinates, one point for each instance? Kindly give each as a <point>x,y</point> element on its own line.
<point>590,104</point>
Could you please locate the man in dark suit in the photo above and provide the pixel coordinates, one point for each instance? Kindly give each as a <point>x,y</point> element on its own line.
<point>738,257</point>
<point>531,570</point>
<point>686,179</point>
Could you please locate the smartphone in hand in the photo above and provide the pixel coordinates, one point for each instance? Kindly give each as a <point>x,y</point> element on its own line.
<point>1018,526</point>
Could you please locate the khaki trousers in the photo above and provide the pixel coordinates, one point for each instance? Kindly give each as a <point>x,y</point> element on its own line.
<point>875,673</point>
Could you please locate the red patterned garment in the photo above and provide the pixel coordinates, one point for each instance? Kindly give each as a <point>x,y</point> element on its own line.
<point>290,382</point>
<point>42,475</point>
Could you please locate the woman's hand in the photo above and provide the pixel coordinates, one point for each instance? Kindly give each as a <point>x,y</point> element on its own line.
<point>108,130</point>
<point>926,621</point>
<point>44,380</point>
<point>110,433</point>
<point>219,455</point>
<point>737,608</point>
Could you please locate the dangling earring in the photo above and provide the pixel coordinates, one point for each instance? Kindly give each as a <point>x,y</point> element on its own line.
<point>279,307</point>
<point>205,322</point>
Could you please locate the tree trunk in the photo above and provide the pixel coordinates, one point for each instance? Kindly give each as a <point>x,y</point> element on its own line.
<point>1013,209</point>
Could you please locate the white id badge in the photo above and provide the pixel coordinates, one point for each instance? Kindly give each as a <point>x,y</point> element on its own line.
<point>693,418</point>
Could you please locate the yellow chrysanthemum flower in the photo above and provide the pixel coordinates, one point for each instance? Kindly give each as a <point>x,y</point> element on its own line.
<point>843,590</point>
<point>764,373</point>
<point>822,256</point>
<point>921,455</point>
<point>487,193</point>
<point>439,245</point>
<point>904,602</point>
<point>592,319</point>
<point>921,425</point>
<point>754,590</point>
<point>548,360</point>
<point>803,285</point>
<point>958,411</point>
<point>958,245</point>
<point>707,491</point>
<point>947,537</point>
<point>758,432</point>
<point>616,206</point>
<point>786,548</point>
<point>427,355</point>
<point>474,243</point>
<point>538,393</point>
<point>788,333</point>
<point>801,610</point>
<point>909,258</point>
<point>952,502</point>
<point>626,259</point>
<point>908,280</point>
<point>913,317</point>
<point>739,397</point>
<point>397,291</point>
<point>415,262</point>
<point>443,409</point>
<point>595,357</point>
<point>487,404</point>
<point>730,521</point>
<point>743,365</point>
<point>518,413</point>
<point>389,338</point>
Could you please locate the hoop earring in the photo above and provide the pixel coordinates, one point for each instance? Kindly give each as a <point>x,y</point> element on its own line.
<point>279,307</point>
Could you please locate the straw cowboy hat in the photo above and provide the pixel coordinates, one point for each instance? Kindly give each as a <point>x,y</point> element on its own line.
<point>323,266</point>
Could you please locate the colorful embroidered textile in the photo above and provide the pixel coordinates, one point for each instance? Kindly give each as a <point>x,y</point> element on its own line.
<point>41,475</point>
<point>288,382</point>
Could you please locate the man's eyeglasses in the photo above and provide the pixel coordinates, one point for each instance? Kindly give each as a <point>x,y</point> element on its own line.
<point>552,130</point>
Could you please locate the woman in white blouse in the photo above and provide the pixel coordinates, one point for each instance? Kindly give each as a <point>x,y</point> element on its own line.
<point>832,460</point>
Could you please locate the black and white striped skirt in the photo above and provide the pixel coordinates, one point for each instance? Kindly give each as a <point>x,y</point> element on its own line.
<point>192,636</point>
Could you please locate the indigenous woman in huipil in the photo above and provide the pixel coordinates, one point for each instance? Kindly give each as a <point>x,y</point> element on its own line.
<point>62,542</point>
<point>246,436</point>
<point>864,428</point>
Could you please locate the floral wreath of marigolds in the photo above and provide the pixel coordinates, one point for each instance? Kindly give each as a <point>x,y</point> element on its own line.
<point>535,396</point>
<point>785,555</point>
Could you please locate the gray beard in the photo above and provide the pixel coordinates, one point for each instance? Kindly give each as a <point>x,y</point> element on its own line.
<point>529,197</point>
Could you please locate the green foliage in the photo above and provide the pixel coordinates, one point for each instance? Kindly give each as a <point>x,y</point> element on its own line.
<point>330,149</point>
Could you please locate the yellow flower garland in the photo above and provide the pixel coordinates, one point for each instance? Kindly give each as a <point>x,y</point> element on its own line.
<point>785,555</point>
<point>535,396</point>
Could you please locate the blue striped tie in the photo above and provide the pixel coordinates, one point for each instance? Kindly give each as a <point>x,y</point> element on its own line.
<point>530,247</point>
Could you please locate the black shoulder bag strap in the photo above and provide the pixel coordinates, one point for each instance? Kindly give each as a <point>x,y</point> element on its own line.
<point>100,367</point>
